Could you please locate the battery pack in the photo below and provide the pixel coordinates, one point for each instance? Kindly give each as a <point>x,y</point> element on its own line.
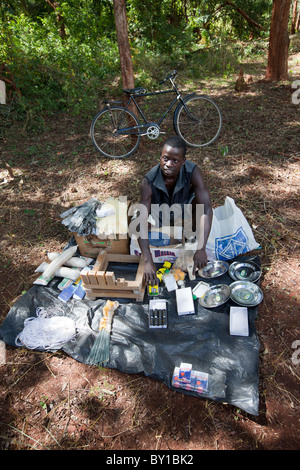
<point>158,313</point>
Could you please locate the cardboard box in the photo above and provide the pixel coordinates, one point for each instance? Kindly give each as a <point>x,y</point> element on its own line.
<point>160,254</point>
<point>114,227</point>
<point>185,371</point>
<point>196,382</point>
<point>91,245</point>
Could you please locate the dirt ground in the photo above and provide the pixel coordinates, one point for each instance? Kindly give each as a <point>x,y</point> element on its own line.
<point>50,401</point>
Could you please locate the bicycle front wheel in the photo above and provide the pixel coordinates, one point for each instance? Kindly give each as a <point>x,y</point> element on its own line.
<point>198,121</point>
<point>112,132</point>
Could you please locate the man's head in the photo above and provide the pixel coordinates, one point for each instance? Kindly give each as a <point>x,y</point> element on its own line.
<point>172,156</point>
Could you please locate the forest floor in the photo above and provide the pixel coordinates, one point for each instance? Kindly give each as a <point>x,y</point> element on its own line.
<point>51,401</point>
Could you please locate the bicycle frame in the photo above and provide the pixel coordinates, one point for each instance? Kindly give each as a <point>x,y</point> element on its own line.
<point>132,99</point>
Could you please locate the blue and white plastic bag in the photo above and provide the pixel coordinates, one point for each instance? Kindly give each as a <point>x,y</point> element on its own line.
<point>230,234</point>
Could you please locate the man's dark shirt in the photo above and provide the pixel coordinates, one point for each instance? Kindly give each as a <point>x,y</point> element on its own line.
<point>183,191</point>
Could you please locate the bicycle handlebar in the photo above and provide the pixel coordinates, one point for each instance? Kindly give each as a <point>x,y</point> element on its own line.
<point>170,75</point>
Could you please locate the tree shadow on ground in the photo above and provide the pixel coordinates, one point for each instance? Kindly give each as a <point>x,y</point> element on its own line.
<point>255,162</point>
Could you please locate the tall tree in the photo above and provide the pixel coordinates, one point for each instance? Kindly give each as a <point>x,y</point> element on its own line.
<point>279,41</point>
<point>59,18</point>
<point>123,43</point>
<point>294,18</point>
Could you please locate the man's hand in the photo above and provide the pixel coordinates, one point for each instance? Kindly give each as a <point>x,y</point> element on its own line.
<point>150,272</point>
<point>200,259</point>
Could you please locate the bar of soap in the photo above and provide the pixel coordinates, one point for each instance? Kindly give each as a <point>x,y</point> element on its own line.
<point>238,324</point>
<point>170,282</point>
<point>185,302</point>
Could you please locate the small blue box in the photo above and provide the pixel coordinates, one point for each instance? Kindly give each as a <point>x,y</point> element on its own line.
<point>185,371</point>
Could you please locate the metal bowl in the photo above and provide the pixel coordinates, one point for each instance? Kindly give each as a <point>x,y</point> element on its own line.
<point>246,293</point>
<point>213,269</point>
<point>244,271</point>
<point>215,296</point>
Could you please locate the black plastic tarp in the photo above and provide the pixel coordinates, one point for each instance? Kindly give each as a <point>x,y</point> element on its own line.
<point>201,339</point>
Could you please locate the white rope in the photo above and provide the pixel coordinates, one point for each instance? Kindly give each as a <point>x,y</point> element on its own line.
<point>46,331</point>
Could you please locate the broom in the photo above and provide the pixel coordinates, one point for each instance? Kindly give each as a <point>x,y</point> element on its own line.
<point>99,353</point>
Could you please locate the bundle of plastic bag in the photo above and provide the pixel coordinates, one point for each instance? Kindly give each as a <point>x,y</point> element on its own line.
<point>82,219</point>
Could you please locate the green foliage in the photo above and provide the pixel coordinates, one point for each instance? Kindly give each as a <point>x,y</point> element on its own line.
<point>66,58</point>
<point>54,74</point>
<point>224,19</point>
<point>158,26</point>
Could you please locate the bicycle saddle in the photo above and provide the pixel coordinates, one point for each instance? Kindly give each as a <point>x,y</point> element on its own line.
<point>135,91</point>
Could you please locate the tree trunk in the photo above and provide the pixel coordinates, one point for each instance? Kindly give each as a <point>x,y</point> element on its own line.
<point>59,19</point>
<point>297,27</point>
<point>123,44</point>
<point>279,41</point>
<point>294,18</point>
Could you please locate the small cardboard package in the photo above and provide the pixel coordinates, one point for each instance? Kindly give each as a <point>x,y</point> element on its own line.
<point>91,245</point>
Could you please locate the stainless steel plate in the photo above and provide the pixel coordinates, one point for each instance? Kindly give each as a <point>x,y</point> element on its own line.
<point>246,294</point>
<point>244,271</point>
<point>213,269</point>
<point>215,296</point>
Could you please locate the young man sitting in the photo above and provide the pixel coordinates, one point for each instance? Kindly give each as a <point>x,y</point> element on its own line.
<point>177,184</point>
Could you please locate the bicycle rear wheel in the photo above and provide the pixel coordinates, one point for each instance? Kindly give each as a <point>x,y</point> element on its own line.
<point>112,133</point>
<point>201,124</point>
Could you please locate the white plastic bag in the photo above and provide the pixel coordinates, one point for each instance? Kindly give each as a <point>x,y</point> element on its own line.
<point>230,234</point>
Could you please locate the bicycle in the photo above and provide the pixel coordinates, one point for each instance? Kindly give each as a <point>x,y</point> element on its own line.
<point>116,131</point>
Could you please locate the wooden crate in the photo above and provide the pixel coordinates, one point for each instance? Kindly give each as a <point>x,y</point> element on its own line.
<point>102,283</point>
